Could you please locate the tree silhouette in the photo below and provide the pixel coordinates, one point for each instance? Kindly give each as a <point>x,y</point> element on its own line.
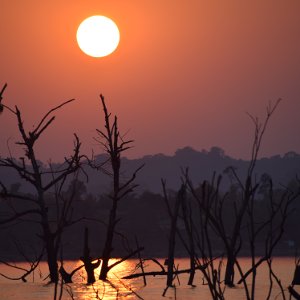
<point>114,146</point>
<point>29,168</point>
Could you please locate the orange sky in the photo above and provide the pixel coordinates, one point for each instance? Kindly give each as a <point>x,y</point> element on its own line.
<point>185,73</point>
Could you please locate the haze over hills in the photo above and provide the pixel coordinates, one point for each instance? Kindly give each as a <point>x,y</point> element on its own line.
<point>144,214</point>
<point>201,164</point>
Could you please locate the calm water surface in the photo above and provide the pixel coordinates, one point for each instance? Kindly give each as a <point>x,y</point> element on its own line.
<point>37,289</point>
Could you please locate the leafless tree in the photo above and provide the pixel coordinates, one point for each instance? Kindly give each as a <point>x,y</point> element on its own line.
<point>271,228</point>
<point>114,145</point>
<point>232,240</point>
<point>179,208</point>
<point>43,181</point>
<point>173,214</point>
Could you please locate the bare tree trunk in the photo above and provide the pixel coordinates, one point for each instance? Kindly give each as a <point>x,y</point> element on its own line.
<point>106,254</point>
<point>87,260</point>
<point>172,241</point>
<point>52,258</point>
<point>229,272</point>
<point>47,236</point>
<point>187,218</point>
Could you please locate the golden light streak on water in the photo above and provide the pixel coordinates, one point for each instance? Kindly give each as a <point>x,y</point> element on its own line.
<point>113,288</point>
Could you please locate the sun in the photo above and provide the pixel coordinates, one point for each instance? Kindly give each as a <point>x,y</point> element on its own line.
<point>98,36</point>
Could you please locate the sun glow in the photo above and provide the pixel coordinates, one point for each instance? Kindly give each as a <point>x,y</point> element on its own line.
<point>98,36</point>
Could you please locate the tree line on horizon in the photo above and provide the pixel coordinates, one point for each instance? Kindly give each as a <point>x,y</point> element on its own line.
<point>232,220</point>
<point>283,170</point>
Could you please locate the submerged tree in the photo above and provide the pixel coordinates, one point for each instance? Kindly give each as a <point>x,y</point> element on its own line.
<point>249,189</point>
<point>43,181</point>
<point>219,224</point>
<point>247,223</point>
<point>114,146</point>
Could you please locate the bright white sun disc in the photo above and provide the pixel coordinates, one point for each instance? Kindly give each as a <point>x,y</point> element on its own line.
<point>98,36</point>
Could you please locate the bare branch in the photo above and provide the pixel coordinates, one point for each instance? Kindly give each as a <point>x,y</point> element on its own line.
<point>48,113</point>
<point>33,266</point>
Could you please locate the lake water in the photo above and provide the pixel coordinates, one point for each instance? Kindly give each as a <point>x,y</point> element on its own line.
<point>37,289</point>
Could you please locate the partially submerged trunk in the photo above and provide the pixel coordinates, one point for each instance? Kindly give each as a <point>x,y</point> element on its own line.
<point>106,254</point>
<point>52,260</point>
<point>229,271</point>
<point>48,239</point>
<point>87,260</point>
<point>172,241</point>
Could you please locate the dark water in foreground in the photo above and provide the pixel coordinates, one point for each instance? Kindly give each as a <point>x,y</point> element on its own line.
<point>37,289</point>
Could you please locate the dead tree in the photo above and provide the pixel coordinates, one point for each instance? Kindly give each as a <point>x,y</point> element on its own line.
<point>114,146</point>
<point>182,209</point>
<point>249,188</point>
<point>231,240</point>
<point>87,260</point>
<point>29,168</point>
<point>202,227</point>
<point>271,228</point>
<point>187,217</point>
<point>173,230</point>
<point>195,236</point>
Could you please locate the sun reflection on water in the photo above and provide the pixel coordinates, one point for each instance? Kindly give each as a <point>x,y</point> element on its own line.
<point>114,288</point>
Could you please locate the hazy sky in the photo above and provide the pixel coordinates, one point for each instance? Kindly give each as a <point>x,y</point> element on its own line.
<point>185,73</point>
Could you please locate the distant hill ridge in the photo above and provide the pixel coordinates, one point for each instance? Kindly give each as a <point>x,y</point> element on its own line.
<point>201,164</point>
